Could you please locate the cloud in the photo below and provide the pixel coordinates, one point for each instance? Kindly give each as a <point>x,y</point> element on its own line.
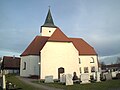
<point>8,53</point>
<point>97,22</point>
<point>112,59</point>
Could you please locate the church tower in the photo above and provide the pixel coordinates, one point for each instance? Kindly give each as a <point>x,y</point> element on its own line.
<point>48,28</point>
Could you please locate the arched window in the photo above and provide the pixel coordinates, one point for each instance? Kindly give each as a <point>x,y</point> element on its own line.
<point>91,60</point>
<point>24,66</point>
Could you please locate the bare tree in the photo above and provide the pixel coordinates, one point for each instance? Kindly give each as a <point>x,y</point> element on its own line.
<point>0,59</point>
<point>118,60</point>
<point>103,65</point>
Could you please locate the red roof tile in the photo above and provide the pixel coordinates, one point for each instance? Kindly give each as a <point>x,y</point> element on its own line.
<point>59,36</point>
<point>35,46</point>
<point>11,62</point>
<point>83,47</point>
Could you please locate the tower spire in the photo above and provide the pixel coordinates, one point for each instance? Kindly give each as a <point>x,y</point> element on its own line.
<point>49,20</point>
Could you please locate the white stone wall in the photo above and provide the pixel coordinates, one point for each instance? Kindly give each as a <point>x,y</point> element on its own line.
<point>59,54</point>
<point>32,67</point>
<point>85,61</point>
<point>47,31</point>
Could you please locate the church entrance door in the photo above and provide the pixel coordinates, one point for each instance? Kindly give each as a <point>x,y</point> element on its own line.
<point>60,71</point>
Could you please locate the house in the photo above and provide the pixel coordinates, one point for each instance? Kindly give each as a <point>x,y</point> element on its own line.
<point>112,67</point>
<point>53,53</point>
<point>11,64</point>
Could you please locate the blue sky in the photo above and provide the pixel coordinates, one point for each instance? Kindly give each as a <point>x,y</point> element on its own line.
<point>96,21</point>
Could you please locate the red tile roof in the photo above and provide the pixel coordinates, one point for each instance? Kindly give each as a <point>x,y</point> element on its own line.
<point>35,46</point>
<point>58,36</point>
<point>83,47</point>
<point>11,62</point>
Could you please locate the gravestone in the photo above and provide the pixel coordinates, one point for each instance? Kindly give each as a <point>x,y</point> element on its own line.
<point>62,78</point>
<point>3,82</point>
<point>49,79</point>
<point>94,75</point>
<point>98,76</point>
<point>85,78</point>
<point>114,74</point>
<point>69,80</point>
<point>108,76</point>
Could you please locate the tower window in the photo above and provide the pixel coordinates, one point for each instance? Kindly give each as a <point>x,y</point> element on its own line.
<point>49,31</point>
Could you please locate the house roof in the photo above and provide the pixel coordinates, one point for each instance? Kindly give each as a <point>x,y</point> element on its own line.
<point>113,65</point>
<point>35,46</point>
<point>83,47</point>
<point>58,36</point>
<point>11,62</point>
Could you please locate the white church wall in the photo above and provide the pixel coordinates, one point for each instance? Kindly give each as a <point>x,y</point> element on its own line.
<point>88,61</point>
<point>32,66</point>
<point>59,54</point>
<point>47,31</point>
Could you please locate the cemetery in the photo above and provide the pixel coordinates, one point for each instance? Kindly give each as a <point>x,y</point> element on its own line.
<point>67,80</point>
<point>85,82</point>
<point>56,60</point>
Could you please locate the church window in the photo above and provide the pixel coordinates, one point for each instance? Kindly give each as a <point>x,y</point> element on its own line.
<point>79,61</point>
<point>91,60</point>
<point>93,69</point>
<point>49,31</point>
<point>80,70</point>
<point>24,66</point>
<point>85,69</point>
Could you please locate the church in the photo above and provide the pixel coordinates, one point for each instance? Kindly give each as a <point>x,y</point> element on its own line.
<point>54,53</point>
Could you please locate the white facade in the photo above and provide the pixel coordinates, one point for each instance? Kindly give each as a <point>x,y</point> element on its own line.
<point>88,61</point>
<point>59,54</point>
<point>56,54</point>
<point>31,67</point>
<point>47,31</point>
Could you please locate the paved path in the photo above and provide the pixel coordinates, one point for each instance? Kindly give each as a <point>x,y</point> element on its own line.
<point>42,87</point>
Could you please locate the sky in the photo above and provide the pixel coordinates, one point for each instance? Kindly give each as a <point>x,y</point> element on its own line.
<point>96,21</point>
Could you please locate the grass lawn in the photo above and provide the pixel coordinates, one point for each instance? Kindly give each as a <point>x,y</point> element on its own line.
<point>105,85</point>
<point>20,84</point>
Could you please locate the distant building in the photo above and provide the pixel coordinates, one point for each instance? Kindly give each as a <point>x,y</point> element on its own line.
<point>11,64</point>
<point>113,67</point>
<point>53,53</point>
